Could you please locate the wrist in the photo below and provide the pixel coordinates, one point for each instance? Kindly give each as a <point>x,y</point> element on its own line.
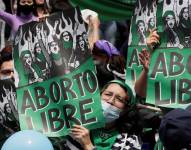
<point>89,147</point>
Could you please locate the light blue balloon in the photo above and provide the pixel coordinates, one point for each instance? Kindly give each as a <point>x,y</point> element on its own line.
<point>27,140</point>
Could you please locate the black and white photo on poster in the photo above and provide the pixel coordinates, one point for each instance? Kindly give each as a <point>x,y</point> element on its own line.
<point>143,20</point>
<point>54,47</point>
<point>8,103</point>
<point>176,22</point>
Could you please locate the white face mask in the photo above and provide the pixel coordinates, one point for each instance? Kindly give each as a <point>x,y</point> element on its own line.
<point>110,112</point>
<point>5,77</point>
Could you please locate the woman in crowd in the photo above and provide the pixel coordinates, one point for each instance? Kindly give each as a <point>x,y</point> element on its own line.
<point>110,64</point>
<point>120,130</point>
<point>26,10</point>
<point>144,57</point>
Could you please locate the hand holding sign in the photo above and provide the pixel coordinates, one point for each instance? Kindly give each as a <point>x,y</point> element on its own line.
<point>153,39</point>
<point>82,135</point>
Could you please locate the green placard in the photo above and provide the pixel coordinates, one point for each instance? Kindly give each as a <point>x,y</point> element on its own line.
<point>143,20</point>
<point>133,66</point>
<point>57,84</point>
<point>169,83</point>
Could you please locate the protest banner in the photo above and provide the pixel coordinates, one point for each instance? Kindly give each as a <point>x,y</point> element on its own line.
<point>174,23</point>
<point>133,66</point>
<point>57,80</point>
<point>143,20</point>
<point>169,83</point>
<point>8,107</point>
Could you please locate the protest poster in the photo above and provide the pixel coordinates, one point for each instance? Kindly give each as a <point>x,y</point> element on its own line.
<point>133,66</point>
<point>8,108</point>
<point>143,20</point>
<point>169,83</point>
<point>174,23</point>
<point>57,80</point>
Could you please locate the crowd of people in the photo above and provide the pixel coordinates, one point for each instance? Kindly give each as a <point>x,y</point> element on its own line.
<point>130,123</point>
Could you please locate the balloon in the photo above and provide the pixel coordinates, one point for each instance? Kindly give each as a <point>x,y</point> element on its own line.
<point>27,140</point>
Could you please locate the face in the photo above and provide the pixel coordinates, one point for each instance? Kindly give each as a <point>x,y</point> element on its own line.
<point>26,2</point>
<point>37,48</point>
<point>54,47</point>
<point>8,108</point>
<point>27,60</point>
<point>115,95</point>
<point>170,21</point>
<point>6,70</point>
<point>81,42</point>
<point>85,36</point>
<point>151,22</point>
<point>141,27</point>
<point>66,36</point>
<point>185,14</point>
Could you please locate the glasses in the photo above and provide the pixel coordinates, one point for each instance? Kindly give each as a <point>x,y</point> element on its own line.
<point>107,96</point>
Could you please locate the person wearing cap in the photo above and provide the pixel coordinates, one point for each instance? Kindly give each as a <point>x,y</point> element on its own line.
<point>117,100</point>
<point>110,64</point>
<point>175,129</point>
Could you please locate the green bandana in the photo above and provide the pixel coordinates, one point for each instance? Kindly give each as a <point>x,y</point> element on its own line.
<point>129,90</point>
<point>103,139</point>
<point>41,57</point>
<point>56,56</point>
<point>68,44</point>
<point>37,70</point>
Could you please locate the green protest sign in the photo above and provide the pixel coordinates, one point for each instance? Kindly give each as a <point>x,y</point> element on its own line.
<point>169,83</point>
<point>54,105</point>
<point>143,20</point>
<point>133,66</point>
<point>57,81</point>
<point>173,23</point>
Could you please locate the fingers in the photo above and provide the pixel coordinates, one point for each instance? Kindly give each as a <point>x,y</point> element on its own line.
<point>141,58</point>
<point>153,36</point>
<point>77,129</point>
<point>152,30</point>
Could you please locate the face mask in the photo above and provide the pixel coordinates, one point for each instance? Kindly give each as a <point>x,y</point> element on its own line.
<point>41,57</point>
<point>26,9</point>
<point>111,113</point>
<point>7,78</point>
<point>68,44</point>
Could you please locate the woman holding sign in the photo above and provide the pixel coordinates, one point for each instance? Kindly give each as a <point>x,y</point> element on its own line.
<point>117,102</point>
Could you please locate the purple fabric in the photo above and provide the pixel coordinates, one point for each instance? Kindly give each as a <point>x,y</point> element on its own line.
<point>15,21</point>
<point>107,47</point>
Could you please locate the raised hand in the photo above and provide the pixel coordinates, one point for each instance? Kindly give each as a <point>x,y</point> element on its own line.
<point>153,39</point>
<point>144,57</point>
